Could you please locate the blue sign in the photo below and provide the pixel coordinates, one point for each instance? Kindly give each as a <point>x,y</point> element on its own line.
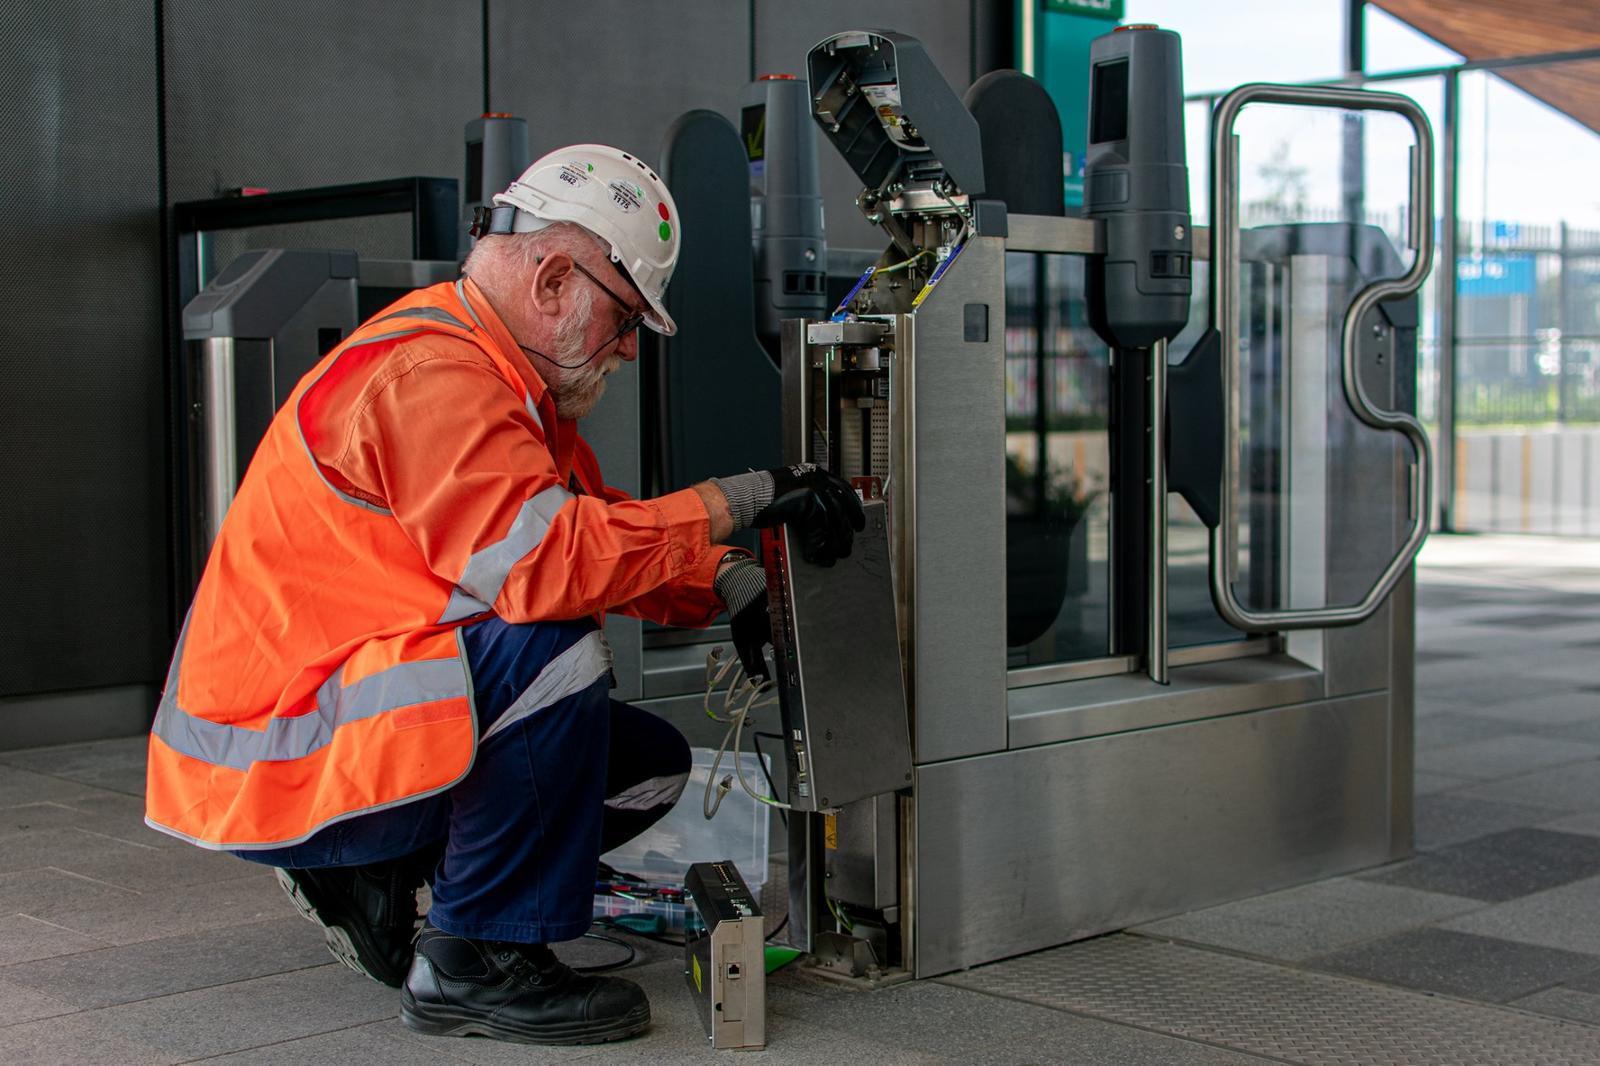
<point>1496,275</point>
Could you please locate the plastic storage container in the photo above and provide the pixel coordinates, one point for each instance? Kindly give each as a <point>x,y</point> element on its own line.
<point>663,853</point>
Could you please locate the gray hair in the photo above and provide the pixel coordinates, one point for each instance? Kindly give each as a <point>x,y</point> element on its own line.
<point>513,256</point>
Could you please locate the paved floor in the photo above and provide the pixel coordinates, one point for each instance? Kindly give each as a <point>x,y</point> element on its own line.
<point>118,945</point>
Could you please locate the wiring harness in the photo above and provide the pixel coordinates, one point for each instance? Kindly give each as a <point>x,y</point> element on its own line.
<point>741,695</point>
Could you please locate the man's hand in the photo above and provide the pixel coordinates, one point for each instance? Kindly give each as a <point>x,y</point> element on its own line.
<point>742,584</point>
<point>822,509</point>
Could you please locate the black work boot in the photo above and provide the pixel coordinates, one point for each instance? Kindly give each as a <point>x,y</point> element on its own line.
<point>368,914</point>
<point>520,992</point>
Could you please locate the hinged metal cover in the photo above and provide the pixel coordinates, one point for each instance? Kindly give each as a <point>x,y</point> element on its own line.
<point>884,105</point>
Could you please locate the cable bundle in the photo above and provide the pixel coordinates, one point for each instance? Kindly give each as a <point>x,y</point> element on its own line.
<point>741,694</point>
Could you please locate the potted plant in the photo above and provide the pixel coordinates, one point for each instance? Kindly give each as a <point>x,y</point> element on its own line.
<point>1047,555</point>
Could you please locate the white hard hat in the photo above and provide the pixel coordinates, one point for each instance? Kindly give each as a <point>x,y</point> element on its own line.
<point>611,194</point>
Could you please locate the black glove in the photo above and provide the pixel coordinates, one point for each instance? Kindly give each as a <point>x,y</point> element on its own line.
<point>742,584</point>
<point>823,510</point>
<point>752,632</point>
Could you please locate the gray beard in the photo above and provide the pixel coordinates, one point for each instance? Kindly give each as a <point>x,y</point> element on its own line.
<point>574,400</point>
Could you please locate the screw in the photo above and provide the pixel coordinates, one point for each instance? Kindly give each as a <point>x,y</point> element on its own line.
<point>828,734</point>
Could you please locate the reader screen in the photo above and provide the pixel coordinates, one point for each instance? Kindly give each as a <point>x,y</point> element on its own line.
<point>1110,120</point>
<point>753,128</point>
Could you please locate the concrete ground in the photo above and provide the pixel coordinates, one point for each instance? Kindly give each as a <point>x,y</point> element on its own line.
<point>119,945</point>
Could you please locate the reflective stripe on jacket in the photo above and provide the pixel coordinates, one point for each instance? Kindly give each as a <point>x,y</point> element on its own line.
<point>416,478</point>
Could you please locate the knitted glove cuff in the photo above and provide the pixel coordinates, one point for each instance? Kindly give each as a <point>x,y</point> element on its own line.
<point>741,583</point>
<point>748,494</point>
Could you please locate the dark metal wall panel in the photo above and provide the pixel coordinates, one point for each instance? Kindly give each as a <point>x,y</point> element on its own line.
<point>615,71</point>
<point>966,38</point>
<point>289,94</point>
<point>83,543</point>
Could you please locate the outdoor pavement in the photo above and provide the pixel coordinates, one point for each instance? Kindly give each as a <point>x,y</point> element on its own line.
<point>120,945</point>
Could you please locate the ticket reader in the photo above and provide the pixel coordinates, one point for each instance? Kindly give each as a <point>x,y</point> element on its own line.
<point>1136,185</point>
<point>1061,775</point>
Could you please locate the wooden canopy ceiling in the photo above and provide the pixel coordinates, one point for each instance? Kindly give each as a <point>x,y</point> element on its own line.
<point>1499,29</point>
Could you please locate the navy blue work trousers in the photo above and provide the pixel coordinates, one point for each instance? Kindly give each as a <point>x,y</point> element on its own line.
<point>522,833</point>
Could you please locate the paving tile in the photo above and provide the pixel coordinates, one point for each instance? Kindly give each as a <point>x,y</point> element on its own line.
<point>50,894</point>
<point>32,817</point>
<point>110,814</point>
<point>19,786</point>
<point>1460,964</point>
<point>23,939</point>
<point>364,1045</point>
<point>1587,730</point>
<point>1587,983</point>
<point>174,964</point>
<point>149,867</point>
<point>923,1023</point>
<point>1563,1003</point>
<point>1563,917</point>
<point>1432,658</point>
<point>1443,819</point>
<point>1570,789</point>
<point>1424,783</point>
<point>1310,920</point>
<point>1552,619</point>
<point>954,1026</point>
<point>20,1004</point>
<point>117,765</point>
<point>1500,866</point>
<point>211,1021</point>
<point>1553,705</point>
<point>1505,756</point>
<point>68,847</point>
<point>130,917</point>
<point>1445,730</point>
<point>1587,823</point>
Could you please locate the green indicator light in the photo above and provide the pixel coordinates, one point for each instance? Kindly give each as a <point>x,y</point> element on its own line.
<point>590,166</point>
<point>666,231</point>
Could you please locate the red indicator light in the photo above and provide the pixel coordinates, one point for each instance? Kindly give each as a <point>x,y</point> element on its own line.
<point>776,77</point>
<point>661,209</point>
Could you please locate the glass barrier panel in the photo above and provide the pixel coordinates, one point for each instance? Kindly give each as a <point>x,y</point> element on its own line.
<point>1057,466</point>
<point>1322,497</point>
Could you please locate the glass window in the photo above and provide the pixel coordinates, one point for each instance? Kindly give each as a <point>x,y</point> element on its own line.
<point>1527,290</point>
<point>1058,462</point>
<point>1252,40</point>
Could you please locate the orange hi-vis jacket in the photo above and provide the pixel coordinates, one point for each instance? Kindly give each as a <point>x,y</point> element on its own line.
<point>417,478</point>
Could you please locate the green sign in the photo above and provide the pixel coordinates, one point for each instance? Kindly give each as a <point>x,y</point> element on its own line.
<point>1099,9</point>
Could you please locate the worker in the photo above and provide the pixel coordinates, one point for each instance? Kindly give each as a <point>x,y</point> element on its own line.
<point>393,670</point>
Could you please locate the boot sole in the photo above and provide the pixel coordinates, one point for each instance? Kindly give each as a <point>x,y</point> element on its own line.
<point>440,1020</point>
<point>340,943</point>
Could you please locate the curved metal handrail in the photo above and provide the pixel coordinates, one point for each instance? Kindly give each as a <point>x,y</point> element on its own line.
<point>1224,318</point>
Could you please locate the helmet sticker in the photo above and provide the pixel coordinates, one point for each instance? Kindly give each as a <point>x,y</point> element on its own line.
<point>575,174</point>
<point>626,196</point>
